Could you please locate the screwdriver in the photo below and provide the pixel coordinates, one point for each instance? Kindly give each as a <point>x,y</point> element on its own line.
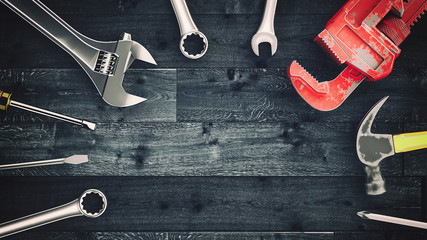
<point>5,102</point>
<point>75,159</point>
<point>389,219</point>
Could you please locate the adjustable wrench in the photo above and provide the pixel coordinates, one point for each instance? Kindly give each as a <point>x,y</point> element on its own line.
<point>265,31</point>
<point>189,29</point>
<point>83,206</point>
<point>104,62</point>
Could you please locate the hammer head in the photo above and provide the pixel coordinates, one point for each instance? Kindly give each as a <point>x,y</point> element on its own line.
<point>372,149</point>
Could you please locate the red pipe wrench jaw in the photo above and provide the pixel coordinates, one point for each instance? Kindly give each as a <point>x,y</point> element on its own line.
<point>324,96</point>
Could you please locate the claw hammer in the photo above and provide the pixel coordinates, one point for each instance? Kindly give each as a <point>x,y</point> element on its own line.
<point>373,148</point>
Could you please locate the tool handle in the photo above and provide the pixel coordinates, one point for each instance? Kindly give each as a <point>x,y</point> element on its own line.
<point>267,24</point>
<point>41,218</point>
<point>185,21</point>
<point>4,100</point>
<point>32,164</point>
<point>56,29</point>
<point>406,142</point>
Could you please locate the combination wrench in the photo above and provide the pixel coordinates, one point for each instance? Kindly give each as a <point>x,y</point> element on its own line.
<point>197,41</point>
<point>92,203</point>
<point>265,31</point>
<point>104,62</point>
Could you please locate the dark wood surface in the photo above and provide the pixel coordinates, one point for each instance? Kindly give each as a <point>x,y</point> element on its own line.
<point>224,148</point>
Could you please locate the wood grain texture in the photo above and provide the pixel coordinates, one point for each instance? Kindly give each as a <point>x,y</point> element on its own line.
<point>215,203</point>
<point>410,234</point>
<point>261,95</point>
<point>191,149</point>
<point>229,38</point>
<point>174,235</point>
<point>71,92</point>
<point>224,148</point>
<point>144,7</point>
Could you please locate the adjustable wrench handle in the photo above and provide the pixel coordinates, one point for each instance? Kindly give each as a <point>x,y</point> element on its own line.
<point>57,30</point>
<point>267,24</point>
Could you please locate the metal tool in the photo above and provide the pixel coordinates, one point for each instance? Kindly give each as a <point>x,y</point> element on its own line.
<point>364,36</point>
<point>104,62</point>
<point>189,30</point>
<point>74,160</point>
<point>265,31</point>
<point>5,102</point>
<point>395,220</point>
<point>92,203</point>
<point>373,148</point>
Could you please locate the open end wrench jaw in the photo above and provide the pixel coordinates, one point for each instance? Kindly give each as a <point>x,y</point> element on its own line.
<point>324,96</point>
<point>261,37</point>
<point>108,78</point>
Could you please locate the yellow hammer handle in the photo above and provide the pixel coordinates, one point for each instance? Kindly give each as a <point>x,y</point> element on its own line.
<point>4,100</point>
<point>406,142</point>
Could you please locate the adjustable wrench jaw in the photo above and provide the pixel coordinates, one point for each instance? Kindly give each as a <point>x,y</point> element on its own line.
<point>108,72</point>
<point>350,37</point>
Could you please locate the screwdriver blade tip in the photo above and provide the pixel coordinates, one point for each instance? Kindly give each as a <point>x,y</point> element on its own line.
<point>90,125</point>
<point>76,159</point>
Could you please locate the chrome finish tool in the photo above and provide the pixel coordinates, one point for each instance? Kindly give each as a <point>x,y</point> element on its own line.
<point>104,62</point>
<point>395,220</point>
<point>74,160</point>
<point>5,102</point>
<point>189,32</point>
<point>265,31</point>
<point>92,203</point>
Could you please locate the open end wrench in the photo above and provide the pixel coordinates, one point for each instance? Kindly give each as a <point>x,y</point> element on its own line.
<point>104,62</point>
<point>265,31</point>
<point>92,203</point>
<point>188,28</point>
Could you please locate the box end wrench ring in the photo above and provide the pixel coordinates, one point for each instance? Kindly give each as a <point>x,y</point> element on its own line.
<point>188,28</point>
<point>92,203</point>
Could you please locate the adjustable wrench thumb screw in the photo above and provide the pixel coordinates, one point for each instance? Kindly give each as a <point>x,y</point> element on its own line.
<point>5,102</point>
<point>92,203</point>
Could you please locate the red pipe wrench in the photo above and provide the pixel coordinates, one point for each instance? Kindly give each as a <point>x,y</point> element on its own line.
<point>364,34</point>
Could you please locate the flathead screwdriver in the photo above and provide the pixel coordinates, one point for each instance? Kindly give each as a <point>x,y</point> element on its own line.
<point>5,102</point>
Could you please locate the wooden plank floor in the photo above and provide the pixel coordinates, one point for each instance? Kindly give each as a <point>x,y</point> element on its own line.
<point>224,147</point>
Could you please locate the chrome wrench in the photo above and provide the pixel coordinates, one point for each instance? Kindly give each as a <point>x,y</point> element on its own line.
<point>265,31</point>
<point>90,198</point>
<point>104,62</point>
<point>189,29</point>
